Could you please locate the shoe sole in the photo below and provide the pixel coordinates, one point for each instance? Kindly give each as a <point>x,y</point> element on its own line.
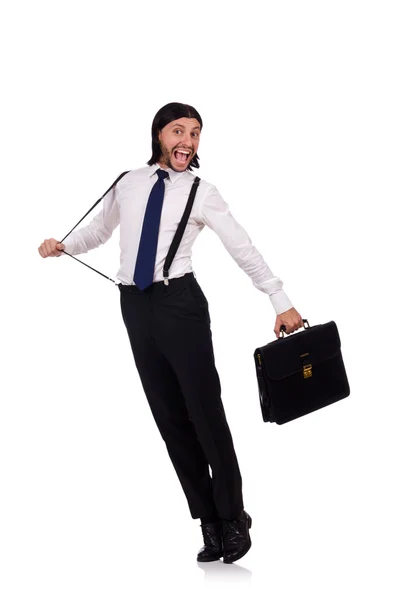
<point>243,552</point>
<point>209,559</point>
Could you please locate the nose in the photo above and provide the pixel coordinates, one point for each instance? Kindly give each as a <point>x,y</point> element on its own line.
<point>186,141</point>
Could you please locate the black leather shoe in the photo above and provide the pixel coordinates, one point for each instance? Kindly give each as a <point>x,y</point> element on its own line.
<point>236,537</point>
<point>213,546</point>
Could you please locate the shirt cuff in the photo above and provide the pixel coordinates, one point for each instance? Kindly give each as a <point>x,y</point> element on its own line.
<point>280,301</point>
<point>69,248</point>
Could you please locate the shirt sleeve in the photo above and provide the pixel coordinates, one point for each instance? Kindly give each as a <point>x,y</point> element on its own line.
<point>215,213</point>
<point>100,228</point>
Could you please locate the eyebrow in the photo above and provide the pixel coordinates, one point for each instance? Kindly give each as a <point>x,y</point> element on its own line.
<point>180,125</point>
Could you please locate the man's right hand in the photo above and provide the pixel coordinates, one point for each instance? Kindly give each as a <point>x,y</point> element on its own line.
<point>51,247</point>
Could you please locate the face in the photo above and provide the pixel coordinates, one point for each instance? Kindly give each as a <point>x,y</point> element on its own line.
<point>176,139</point>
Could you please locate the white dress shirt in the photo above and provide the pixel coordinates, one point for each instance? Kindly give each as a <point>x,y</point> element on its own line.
<point>125,205</point>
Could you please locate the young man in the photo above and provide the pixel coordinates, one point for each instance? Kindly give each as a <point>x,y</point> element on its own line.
<point>168,322</point>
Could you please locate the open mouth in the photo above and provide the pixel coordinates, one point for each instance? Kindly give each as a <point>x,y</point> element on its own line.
<point>181,156</point>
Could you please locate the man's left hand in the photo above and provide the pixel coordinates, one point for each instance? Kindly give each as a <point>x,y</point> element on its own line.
<point>291,319</point>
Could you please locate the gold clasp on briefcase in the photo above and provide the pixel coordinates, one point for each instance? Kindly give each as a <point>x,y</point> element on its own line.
<point>307,369</point>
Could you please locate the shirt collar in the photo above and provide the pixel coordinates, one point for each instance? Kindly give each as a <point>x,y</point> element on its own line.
<point>173,175</point>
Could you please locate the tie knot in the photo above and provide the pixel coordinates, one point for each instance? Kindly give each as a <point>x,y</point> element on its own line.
<point>162,174</point>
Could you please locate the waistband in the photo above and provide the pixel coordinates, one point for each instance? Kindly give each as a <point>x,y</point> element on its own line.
<point>158,286</point>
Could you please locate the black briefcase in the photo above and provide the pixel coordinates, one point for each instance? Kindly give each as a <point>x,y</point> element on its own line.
<point>300,373</point>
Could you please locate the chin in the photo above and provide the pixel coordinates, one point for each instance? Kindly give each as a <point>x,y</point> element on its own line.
<point>177,167</point>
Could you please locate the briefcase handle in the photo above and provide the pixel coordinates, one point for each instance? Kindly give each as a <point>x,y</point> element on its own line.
<point>283,328</point>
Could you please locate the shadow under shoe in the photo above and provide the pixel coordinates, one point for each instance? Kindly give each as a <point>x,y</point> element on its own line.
<point>236,537</point>
<point>213,545</point>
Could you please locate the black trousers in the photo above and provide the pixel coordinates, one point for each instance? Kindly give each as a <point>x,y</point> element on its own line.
<point>171,340</point>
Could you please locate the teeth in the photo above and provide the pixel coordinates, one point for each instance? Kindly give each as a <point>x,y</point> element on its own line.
<point>183,151</point>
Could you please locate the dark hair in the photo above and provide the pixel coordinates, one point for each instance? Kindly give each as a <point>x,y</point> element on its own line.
<point>166,114</point>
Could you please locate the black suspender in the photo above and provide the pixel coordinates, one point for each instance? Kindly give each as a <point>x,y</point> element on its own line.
<point>180,229</point>
<point>177,237</point>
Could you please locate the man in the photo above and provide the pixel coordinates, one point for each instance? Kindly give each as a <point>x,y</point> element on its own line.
<point>168,322</point>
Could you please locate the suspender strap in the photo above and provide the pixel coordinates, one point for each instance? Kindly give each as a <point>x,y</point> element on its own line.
<point>180,230</point>
<point>93,206</point>
<point>177,237</point>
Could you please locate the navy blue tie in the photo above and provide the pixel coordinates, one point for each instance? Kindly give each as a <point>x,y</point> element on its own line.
<point>144,266</point>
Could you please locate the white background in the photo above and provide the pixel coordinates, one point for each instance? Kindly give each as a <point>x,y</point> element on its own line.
<point>302,94</point>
